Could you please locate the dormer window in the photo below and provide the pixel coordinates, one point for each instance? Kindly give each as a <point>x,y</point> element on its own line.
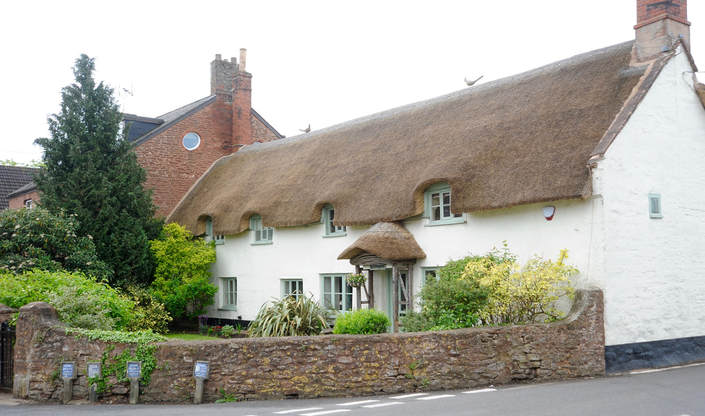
<point>218,238</point>
<point>261,234</point>
<point>437,206</point>
<point>330,229</point>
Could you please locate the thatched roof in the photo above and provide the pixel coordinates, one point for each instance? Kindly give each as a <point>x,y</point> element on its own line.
<point>700,89</point>
<point>518,140</point>
<point>386,240</point>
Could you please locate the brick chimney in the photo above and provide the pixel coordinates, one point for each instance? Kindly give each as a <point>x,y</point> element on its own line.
<point>242,103</point>
<point>222,74</point>
<point>660,23</point>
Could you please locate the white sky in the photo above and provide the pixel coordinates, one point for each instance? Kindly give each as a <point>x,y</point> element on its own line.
<point>317,62</point>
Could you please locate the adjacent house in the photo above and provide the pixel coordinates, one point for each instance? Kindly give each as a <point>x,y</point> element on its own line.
<point>16,187</point>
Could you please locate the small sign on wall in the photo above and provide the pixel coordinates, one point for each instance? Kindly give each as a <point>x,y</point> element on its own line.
<point>94,370</point>
<point>134,370</point>
<point>68,370</point>
<point>200,370</point>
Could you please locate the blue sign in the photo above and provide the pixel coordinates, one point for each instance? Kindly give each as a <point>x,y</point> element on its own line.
<point>93,370</point>
<point>134,369</point>
<point>68,370</point>
<point>200,370</point>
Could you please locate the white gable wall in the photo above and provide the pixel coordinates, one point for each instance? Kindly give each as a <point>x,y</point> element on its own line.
<point>302,252</point>
<point>654,269</point>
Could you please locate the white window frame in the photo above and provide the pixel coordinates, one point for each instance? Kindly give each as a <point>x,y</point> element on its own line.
<point>228,300</point>
<point>328,297</point>
<point>28,203</point>
<point>440,217</point>
<point>292,287</point>
<point>260,234</point>
<point>329,229</point>
<point>655,211</point>
<point>218,238</point>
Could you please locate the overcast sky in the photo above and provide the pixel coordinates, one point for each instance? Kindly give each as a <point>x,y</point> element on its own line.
<point>317,62</point>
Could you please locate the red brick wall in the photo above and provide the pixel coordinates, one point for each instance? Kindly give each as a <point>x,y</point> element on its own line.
<point>171,169</point>
<point>260,132</point>
<point>17,201</point>
<point>649,10</point>
<point>242,102</point>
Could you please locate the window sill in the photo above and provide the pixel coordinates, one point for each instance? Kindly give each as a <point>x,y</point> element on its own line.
<point>220,243</point>
<point>261,243</point>
<point>335,235</point>
<point>459,220</point>
<point>228,308</point>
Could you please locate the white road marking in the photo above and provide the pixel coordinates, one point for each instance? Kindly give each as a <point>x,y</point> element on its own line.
<point>408,396</point>
<point>357,403</point>
<point>283,412</point>
<point>440,396</point>
<point>479,391</point>
<point>658,370</point>
<point>372,406</point>
<point>325,412</point>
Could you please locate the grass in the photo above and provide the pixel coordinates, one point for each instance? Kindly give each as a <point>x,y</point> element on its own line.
<point>190,337</point>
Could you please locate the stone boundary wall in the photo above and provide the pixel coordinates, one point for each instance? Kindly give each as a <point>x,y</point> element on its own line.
<point>6,313</point>
<point>326,366</point>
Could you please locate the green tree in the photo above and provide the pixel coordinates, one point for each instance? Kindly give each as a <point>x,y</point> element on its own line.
<point>34,238</point>
<point>91,170</point>
<point>183,272</point>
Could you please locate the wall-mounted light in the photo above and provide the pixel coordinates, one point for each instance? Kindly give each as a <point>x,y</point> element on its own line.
<point>549,212</point>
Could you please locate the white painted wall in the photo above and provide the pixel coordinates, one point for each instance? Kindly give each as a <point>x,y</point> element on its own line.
<point>302,252</point>
<point>653,274</point>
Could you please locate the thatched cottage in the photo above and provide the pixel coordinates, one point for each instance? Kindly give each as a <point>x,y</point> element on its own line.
<point>600,153</point>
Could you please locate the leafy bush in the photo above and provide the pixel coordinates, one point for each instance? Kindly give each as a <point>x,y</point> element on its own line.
<point>77,298</point>
<point>519,295</point>
<point>183,272</point>
<point>290,316</point>
<point>362,321</point>
<point>36,239</point>
<point>150,313</point>
<point>227,331</point>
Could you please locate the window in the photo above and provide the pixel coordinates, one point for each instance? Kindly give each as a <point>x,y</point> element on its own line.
<point>337,294</point>
<point>292,287</point>
<point>28,203</point>
<point>191,141</point>
<point>437,206</point>
<point>430,273</point>
<point>229,288</point>
<point>330,229</point>
<point>262,235</point>
<point>655,206</point>
<point>218,238</point>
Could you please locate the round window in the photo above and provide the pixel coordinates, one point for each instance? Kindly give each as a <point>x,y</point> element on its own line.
<point>191,141</point>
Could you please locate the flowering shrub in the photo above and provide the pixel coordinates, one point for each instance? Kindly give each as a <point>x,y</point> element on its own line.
<point>356,280</point>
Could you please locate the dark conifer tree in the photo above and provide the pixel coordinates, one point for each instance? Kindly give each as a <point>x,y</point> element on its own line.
<point>91,170</point>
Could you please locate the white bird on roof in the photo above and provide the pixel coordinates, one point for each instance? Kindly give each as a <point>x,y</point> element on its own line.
<point>471,83</point>
<point>307,129</point>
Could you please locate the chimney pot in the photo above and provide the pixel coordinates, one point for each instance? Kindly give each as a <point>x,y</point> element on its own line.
<point>217,57</point>
<point>243,59</point>
<point>233,60</point>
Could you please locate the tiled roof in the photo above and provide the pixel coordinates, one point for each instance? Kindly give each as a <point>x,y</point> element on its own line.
<point>12,178</point>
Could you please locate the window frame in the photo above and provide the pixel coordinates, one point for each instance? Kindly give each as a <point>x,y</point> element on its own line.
<point>257,226</point>
<point>28,203</point>
<point>209,236</point>
<point>655,214</point>
<point>286,286</point>
<point>425,271</point>
<point>440,189</point>
<point>328,215</point>
<point>327,299</point>
<point>224,301</point>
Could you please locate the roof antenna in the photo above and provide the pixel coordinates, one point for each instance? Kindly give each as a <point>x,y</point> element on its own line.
<point>307,129</point>
<point>471,83</point>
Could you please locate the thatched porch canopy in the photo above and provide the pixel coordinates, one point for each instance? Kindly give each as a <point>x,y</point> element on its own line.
<point>386,240</point>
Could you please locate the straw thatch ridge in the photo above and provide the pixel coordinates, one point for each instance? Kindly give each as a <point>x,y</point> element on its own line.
<point>518,140</point>
<point>386,240</point>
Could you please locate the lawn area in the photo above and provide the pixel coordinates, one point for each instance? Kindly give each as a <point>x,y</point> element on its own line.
<point>190,337</point>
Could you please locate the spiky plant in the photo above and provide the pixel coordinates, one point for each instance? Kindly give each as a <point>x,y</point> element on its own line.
<point>289,316</point>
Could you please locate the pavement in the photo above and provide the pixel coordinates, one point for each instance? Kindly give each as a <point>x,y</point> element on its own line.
<point>677,391</point>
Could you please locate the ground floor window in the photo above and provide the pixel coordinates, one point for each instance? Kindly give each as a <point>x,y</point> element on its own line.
<point>430,274</point>
<point>229,288</point>
<point>292,287</point>
<point>336,293</point>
